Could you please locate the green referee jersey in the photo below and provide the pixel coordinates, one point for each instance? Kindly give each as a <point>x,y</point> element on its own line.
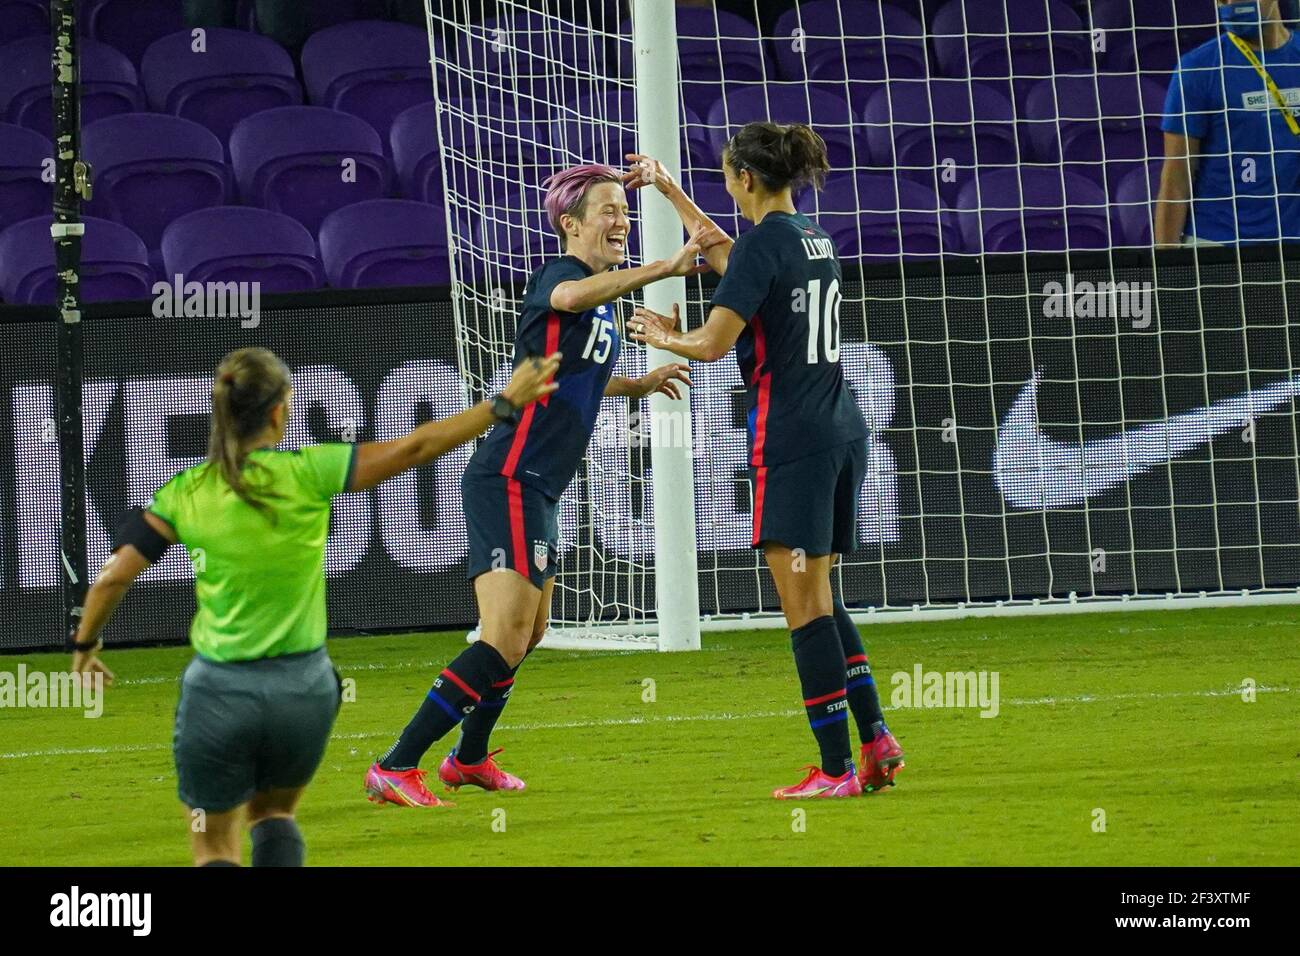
<point>260,583</point>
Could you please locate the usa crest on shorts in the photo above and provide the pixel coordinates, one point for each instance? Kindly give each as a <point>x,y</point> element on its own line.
<point>540,555</point>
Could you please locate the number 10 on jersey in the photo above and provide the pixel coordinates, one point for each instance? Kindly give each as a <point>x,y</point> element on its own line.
<point>823,321</point>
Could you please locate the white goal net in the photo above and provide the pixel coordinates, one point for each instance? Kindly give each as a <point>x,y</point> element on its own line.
<point>1061,416</point>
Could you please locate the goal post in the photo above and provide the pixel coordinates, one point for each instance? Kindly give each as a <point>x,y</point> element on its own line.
<point>677,599</point>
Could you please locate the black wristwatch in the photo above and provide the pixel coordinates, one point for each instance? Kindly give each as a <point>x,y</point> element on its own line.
<point>504,410</point>
<point>85,648</point>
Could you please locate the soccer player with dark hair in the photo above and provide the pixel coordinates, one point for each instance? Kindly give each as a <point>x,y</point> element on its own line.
<point>260,695</point>
<point>778,305</point>
<point>514,481</point>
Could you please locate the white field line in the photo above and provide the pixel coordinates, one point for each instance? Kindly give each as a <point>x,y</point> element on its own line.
<point>672,719</point>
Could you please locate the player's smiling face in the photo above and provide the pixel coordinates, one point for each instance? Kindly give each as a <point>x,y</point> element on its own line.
<point>602,234</point>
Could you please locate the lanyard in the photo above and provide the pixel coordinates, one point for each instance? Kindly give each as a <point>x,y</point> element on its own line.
<point>1249,54</point>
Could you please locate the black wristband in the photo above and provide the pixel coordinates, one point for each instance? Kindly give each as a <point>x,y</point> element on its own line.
<point>83,648</point>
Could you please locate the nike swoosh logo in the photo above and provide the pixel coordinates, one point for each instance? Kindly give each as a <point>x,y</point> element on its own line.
<point>1035,471</point>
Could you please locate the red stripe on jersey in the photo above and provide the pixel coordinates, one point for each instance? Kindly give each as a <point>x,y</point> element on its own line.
<point>461,684</point>
<point>552,344</point>
<point>759,488</point>
<point>856,659</point>
<point>764,382</point>
<point>515,497</point>
<point>521,431</point>
<point>814,701</point>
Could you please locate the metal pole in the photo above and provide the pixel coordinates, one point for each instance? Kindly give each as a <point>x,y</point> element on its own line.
<point>677,595</point>
<point>72,184</point>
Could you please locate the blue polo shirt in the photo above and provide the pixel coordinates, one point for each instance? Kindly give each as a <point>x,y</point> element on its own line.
<point>1250,160</point>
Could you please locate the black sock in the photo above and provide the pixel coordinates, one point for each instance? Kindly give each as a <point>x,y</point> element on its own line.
<point>277,842</point>
<point>220,863</point>
<point>477,727</point>
<point>864,700</point>
<point>820,660</point>
<point>454,694</point>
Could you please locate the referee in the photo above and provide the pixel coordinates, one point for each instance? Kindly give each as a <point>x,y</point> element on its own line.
<point>260,696</point>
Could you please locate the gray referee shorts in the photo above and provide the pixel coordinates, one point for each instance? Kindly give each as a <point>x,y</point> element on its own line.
<point>248,726</point>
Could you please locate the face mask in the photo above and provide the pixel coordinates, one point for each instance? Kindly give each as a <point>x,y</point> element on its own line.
<point>1242,19</point>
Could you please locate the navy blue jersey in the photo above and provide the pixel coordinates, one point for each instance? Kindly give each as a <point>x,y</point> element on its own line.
<point>543,450</point>
<point>783,279</point>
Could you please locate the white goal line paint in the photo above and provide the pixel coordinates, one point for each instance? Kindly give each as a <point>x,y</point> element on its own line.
<point>670,719</point>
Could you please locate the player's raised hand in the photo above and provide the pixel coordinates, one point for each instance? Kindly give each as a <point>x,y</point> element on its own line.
<point>648,171</point>
<point>664,379</point>
<point>532,379</point>
<point>683,263</point>
<point>651,328</point>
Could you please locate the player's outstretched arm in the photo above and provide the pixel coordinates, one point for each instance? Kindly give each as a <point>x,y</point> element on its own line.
<point>579,295</point>
<point>663,379</point>
<point>710,342</point>
<point>379,461</point>
<point>716,244</point>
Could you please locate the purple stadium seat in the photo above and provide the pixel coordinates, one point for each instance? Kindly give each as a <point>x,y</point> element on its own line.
<point>598,129</point>
<point>23,193</point>
<point>539,55</point>
<point>131,25</point>
<point>1101,125</point>
<point>1151,35</point>
<point>23,18</point>
<point>239,244</point>
<point>918,128</point>
<point>114,263</point>
<point>711,43</point>
<point>385,242</point>
<point>151,168</point>
<point>830,116</point>
<point>238,74</point>
<point>323,13</point>
<point>417,153</point>
<point>849,41</point>
<point>1026,210</point>
<point>879,218</point>
<point>298,160</point>
<point>1134,204</point>
<point>489,131</point>
<point>371,68</point>
<point>1019,43</point>
<point>698,149</point>
<point>108,83</point>
<point>516,228</point>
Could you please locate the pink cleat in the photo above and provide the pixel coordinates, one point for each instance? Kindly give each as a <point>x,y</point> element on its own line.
<point>820,784</point>
<point>403,787</point>
<point>881,761</point>
<point>486,774</point>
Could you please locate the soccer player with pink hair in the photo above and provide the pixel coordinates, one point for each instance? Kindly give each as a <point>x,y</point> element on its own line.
<point>514,481</point>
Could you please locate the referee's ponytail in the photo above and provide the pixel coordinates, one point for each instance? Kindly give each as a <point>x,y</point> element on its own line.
<point>249,383</point>
<point>780,157</point>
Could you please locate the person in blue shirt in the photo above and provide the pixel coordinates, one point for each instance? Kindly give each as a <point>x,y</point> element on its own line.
<point>1229,147</point>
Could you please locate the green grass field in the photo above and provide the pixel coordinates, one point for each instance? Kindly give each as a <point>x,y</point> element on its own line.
<point>1139,715</point>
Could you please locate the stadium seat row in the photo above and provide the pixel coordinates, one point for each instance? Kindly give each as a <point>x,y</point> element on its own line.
<point>384,242</point>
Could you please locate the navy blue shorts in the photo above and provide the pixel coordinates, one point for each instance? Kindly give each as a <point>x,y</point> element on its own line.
<point>511,525</point>
<point>811,502</point>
